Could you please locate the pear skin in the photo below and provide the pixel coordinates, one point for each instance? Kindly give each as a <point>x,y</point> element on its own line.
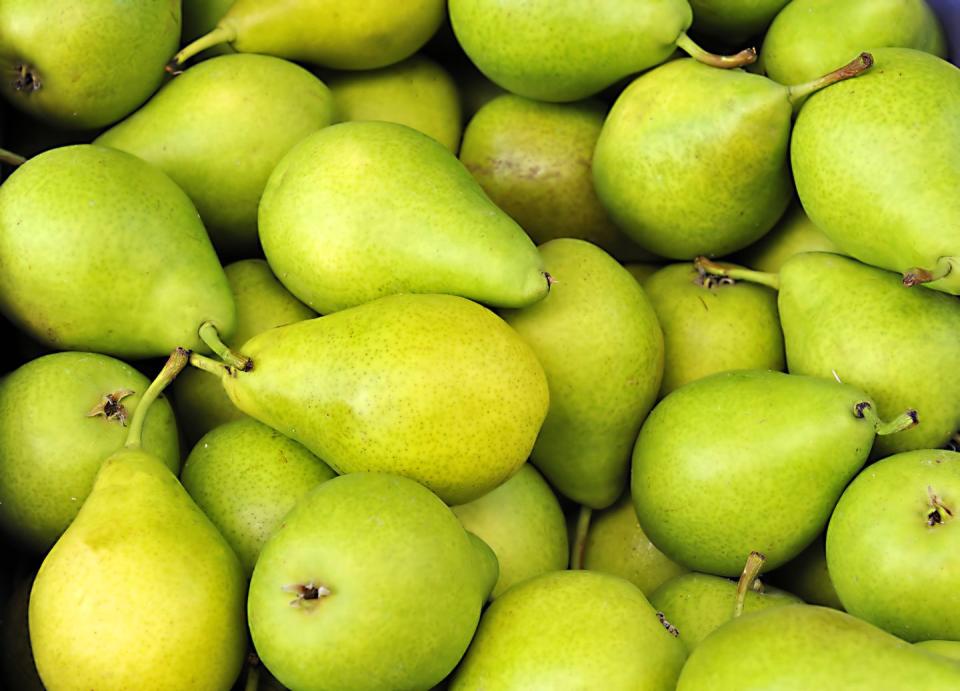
<point>807,576</point>
<point>793,234</point>
<point>736,21</point>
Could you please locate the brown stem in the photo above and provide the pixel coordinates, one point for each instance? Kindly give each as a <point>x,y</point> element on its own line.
<point>858,65</point>
<point>750,572</point>
<point>741,59</point>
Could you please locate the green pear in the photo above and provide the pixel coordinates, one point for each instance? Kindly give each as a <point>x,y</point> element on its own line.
<point>201,16</point>
<point>84,65</point>
<point>246,477</point>
<point>950,649</point>
<point>522,522</point>
<point>475,89</point>
<point>810,37</point>
<point>616,544</point>
<point>417,93</point>
<point>642,270</point>
<point>803,647</point>
<point>571,630</point>
<point>793,234</point>
<point>396,578</point>
<point>205,129</point>
<point>693,160</point>
<point>17,669</point>
<point>533,160</point>
<point>747,461</point>
<point>712,324</point>
<point>61,415</point>
<point>140,569</point>
<point>103,252</point>
<point>333,33</point>
<point>401,214</point>
<point>262,304</point>
<point>433,387</point>
<point>884,188</point>
<point>599,342</point>
<point>567,52</point>
<point>806,575</point>
<point>736,21</point>
<point>892,548</point>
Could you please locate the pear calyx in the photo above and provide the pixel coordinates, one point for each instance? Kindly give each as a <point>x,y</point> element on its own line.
<point>744,57</point>
<point>671,629</point>
<point>306,593</point>
<point>26,78</point>
<point>111,408</point>
<point>748,580</point>
<point>939,512</point>
<point>901,423</point>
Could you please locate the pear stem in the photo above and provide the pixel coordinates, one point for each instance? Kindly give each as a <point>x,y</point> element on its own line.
<point>917,275</point>
<point>253,675</point>
<point>858,65</point>
<point>902,422</point>
<point>11,158</point>
<point>173,366</point>
<point>210,365</point>
<point>750,572</point>
<point>744,57</point>
<point>707,266</point>
<point>580,538</point>
<point>210,336</point>
<point>220,34</point>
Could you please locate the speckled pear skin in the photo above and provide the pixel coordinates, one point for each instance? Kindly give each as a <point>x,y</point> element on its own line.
<point>432,387</point>
<point>712,326</point>
<point>405,588</point>
<point>802,647</point>
<point>51,449</point>
<point>216,131</point>
<point>571,630</point>
<point>400,215</point>
<point>851,145</point>
<point>793,234</point>
<point>599,342</point>
<point>692,160</point>
<point>534,161</point>
<point>95,61</point>
<point>527,47</point>
<point>140,569</point>
<point>723,464</point>
<point>892,563</point>
<point>417,92</point>
<point>811,37</point>
<point>246,477</point>
<point>895,343</point>
<point>737,20</point>
<point>101,251</point>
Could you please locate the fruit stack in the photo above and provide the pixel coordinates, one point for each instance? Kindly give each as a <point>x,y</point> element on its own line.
<point>646,378</point>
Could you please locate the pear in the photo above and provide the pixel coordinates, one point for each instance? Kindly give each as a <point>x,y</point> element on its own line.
<point>949,649</point>
<point>333,33</point>
<point>433,387</point>
<point>246,477</point>
<point>83,66</point>
<point>747,461</point>
<point>369,583</point>
<point>61,415</point>
<point>809,37</point>
<point>848,166</point>
<point>475,89</point>
<point>103,252</point>
<point>201,16</point>
<point>892,548</point>
<point>642,270</point>
<point>806,575</point>
<point>693,160</point>
<point>518,44</point>
<point>417,92</point>
<point>793,234</point>
<point>571,630</point>
<point>736,21</point>
<point>400,215</point>
<point>139,569</point>
<point>802,647</point>
<point>522,522</point>
<point>533,160</point>
<point>616,544</point>
<point>713,324</point>
<point>599,342</point>
<point>208,125</point>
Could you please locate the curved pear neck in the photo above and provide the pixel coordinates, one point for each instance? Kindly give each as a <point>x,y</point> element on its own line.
<point>224,32</point>
<point>174,365</point>
<point>745,57</point>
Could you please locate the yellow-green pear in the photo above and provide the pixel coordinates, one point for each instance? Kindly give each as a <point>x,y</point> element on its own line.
<point>732,21</point>
<point>201,16</point>
<point>807,576</point>
<point>793,234</point>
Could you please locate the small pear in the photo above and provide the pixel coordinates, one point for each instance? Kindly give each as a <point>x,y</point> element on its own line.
<point>737,20</point>
<point>793,234</point>
<point>806,575</point>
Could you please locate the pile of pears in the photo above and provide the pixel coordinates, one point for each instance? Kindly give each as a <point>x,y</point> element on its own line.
<point>480,345</point>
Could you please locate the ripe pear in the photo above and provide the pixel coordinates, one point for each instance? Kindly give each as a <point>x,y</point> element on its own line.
<point>400,215</point>
<point>84,65</point>
<point>139,569</point>
<point>369,583</point>
<point>246,477</point>
<point>571,50</point>
<point>736,21</point>
<point>892,548</point>
<point>850,147</point>
<point>793,234</point>
<point>571,630</point>
<point>802,647</point>
<point>61,415</point>
<point>433,387</point>
<point>713,324</point>
<point>522,522</point>
<point>332,33</point>
<point>600,344</point>
<point>747,461</point>
<point>417,93</point>
<point>103,252</point>
<point>806,575</point>
<point>205,129</point>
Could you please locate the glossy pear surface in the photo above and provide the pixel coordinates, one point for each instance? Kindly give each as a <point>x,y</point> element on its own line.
<point>793,234</point>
